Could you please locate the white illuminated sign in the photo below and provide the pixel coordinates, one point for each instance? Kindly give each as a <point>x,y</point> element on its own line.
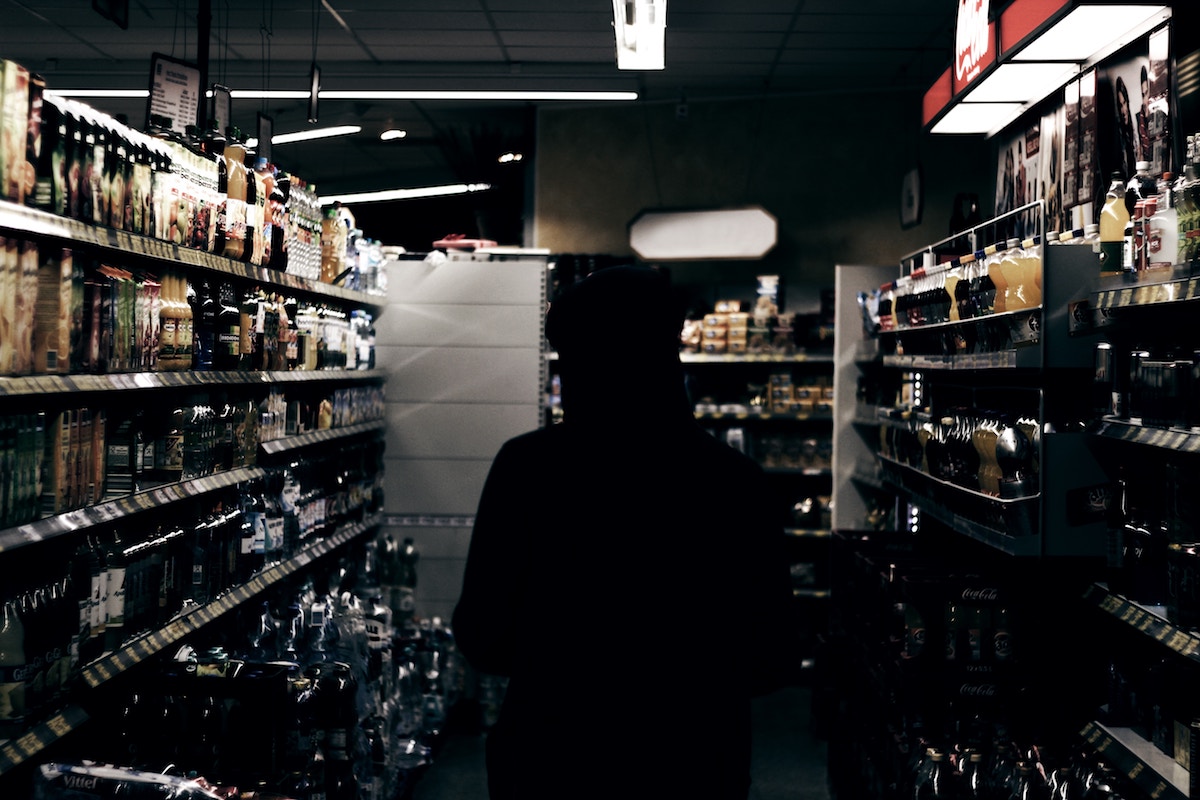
<point>971,40</point>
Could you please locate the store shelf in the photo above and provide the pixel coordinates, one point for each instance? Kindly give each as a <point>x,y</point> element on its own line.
<point>982,517</point>
<point>33,385</point>
<point>1020,358</point>
<point>102,513</point>
<point>1174,439</point>
<point>809,533</point>
<point>761,416</point>
<point>150,644</point>
<point>1151,621</point>
<point>756,358</point>
<point>809,472</point>
<point>32,222</point>
<point>1148,288</point>
<point>44,734</point>
<point>290,443</point>
<point>40,737</point>
<point>1153,771</point>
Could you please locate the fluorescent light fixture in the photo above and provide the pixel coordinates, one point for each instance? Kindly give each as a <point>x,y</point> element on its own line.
<point>256,94</point>
<point>1092,32</point>
<point>315,133</point>
<point>1021,83</point>
<point>977,117</point>
<point>394,133</point>
<point>405,194</point>
<point>117,93</point>
<point>304,136</point>
<point>641,27</point>
<point>472,95</point>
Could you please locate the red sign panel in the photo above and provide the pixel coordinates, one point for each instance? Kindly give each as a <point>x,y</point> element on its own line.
<point>974,42</point>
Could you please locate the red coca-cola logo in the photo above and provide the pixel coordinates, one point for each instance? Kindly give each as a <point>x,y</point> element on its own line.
<point>971,41</point>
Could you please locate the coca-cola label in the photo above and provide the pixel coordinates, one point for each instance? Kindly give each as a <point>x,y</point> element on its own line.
<point>986,594</point>
<point>978,690</point>
<point>973,49</point>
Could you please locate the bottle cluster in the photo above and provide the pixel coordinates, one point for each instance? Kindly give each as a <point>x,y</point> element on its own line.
<point>124,580</point>
<point>63,312</point>
<point>1008,771</point>
<point>322,689</point>
<point>983,451</point>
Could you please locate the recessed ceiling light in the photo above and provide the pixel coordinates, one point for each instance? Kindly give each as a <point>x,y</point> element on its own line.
<point>394,133</point>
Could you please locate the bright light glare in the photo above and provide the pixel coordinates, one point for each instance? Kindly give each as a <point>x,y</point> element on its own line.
<point>315,133</point>
<point>1092,32</point>
<point>405,194</point>
<point>509,158</point>
<point>1021,83</point>
<point>640,27</point>
<point>466,95</point>
<point>977,117</point>
<point>394,133</point>
<point>102,92</point>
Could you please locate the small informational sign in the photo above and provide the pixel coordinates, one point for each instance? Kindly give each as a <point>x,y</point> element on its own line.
<point>266,132</point>
<point>174,92</point>
<point>220,114</point>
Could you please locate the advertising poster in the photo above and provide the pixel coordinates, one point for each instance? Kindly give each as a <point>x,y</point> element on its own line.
<point>1070,173</point>
<point>1126,106</point>
<point>1051,166</point>
<point>1090,187</point>
<point>1157,141</point>
<point>1017,181</point>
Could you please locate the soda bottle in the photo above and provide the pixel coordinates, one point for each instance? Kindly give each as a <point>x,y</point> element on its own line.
<point>12,671</point>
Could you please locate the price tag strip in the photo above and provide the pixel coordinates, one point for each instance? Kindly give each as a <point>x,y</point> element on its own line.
<point>40,737</point>
<point>1145,621</point>
<point>1135,757</point>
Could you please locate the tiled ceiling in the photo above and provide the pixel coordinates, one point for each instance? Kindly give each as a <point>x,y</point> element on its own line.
<point>714,49</point>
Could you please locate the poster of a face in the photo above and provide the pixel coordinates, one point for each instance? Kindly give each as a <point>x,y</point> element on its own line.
<point>1051,170</point>
<point>1129,138</point>
<point>1017,181</point>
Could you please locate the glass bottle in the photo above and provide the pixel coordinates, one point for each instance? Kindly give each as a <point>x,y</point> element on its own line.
<point>12,671</point>
<point>234,155</point>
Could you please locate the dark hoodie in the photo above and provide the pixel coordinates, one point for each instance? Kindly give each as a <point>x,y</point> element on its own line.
<point>626,571</point>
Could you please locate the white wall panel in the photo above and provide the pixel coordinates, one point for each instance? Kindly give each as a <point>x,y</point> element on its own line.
<point>461,325</point>
<point>485,283</point>
<point>429,486</point>
<point>455,430</point>
<point>461,375</point>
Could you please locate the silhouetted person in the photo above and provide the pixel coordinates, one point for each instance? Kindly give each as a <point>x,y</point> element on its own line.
<point>626,571</point>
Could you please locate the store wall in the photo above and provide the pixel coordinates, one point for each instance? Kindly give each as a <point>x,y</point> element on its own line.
<point>828,167</point>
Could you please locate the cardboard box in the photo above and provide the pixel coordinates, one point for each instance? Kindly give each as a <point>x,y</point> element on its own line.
<point>15,179</point>
<point>52,319</point>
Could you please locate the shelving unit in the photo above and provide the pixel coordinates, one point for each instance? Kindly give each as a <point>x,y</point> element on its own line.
<point>147,389</point>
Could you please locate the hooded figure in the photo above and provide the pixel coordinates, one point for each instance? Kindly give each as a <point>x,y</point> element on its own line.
<point>626,572</point>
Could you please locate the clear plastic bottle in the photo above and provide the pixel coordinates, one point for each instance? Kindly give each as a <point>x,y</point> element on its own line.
<point>1114,218</point>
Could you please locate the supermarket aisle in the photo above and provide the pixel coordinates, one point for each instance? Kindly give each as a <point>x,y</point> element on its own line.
<point>789,761</point>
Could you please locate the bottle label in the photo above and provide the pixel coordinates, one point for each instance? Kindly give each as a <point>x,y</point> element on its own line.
<point>258,523</point>
<point>115,606</point>
<point>12,692</point>
<point>274,534</point>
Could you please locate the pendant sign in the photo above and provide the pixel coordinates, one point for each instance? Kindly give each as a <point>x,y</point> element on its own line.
<point>973,46</point>
<point>725,233</point>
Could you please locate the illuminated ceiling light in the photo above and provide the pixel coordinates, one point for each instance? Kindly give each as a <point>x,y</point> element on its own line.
<point>1090,33</point>
<point>977,117</point>
<point>394,133</point>
<point>509,158</point>
<point>258,94</point>
<point>315,133</point>
<point>641,27</point>
<point>117,93</point>
<point>304,136</point>
<point>1021,82</point>
<point>474,95</point>
<point>405,194</point>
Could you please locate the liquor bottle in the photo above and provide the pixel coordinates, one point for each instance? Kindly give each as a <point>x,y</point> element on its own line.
<point>12,671</point>
<point>114,604</point>
<point>251,248</point>
<point>234,156</point>
<point>227,329</point>
<point>204,316</point>
<point>250,318</point>
<point>929,779</point>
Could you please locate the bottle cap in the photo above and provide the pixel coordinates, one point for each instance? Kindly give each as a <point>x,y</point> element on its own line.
<point>1143,166</point>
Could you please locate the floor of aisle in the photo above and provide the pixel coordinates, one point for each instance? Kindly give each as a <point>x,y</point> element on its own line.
<point>788,758</point>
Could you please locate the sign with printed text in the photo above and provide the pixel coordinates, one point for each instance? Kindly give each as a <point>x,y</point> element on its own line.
<point>174,92</point>
<point>974,42</point>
